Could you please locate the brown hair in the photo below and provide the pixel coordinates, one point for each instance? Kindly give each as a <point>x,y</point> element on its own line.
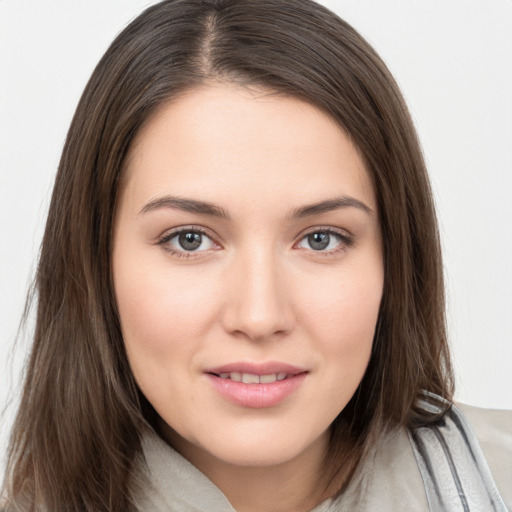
<point>77,435</point>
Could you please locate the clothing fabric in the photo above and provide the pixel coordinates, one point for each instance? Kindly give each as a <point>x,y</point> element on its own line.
<point>453,468</point>
<point>463,463</point>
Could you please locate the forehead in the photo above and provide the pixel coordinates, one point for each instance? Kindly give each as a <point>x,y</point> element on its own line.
<point>223,141</point>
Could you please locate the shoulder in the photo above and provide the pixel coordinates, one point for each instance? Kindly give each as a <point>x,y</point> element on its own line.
<point>465,457</point>
<point>387,479</point>
<point>493,429</point>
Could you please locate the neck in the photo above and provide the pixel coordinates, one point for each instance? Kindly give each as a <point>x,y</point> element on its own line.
<point>289,486</point>
<point>296,485</point>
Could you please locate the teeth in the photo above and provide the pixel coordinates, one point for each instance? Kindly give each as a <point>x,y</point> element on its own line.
<point>251,378</point>
<point>235,376</point>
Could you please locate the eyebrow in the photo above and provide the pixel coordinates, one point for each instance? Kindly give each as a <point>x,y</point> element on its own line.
<point>330,204</point>
<point>206,208</point>
<point>187,205</point>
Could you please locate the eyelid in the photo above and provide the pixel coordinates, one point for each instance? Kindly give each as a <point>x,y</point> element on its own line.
<point>169,234</point>
<point>187,227</point>
<point>326,229</point>
<point>346,239</point>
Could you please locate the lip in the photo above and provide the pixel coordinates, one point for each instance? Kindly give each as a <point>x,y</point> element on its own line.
<point>257,368</point>
<point>256,396</point>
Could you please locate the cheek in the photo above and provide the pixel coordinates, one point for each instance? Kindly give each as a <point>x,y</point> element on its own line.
<point>340,316</point>
<point>162,312</point>
<point>164,316</point>
<point>345,308</point>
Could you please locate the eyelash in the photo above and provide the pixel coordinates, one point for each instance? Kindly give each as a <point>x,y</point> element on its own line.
<point>169,235</point>
<point>345,241</point>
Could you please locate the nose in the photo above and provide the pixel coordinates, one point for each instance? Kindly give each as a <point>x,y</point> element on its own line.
<point>258,305</point>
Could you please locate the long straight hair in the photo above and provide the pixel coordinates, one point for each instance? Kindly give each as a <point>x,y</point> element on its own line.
<point>77,435</point>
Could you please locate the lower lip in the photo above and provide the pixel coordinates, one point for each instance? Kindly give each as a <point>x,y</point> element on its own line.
<point>257,396</point>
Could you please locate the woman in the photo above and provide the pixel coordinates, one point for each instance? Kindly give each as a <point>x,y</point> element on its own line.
<point>240,298</point>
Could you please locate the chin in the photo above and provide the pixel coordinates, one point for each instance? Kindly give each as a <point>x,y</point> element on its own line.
<point>254,447</point>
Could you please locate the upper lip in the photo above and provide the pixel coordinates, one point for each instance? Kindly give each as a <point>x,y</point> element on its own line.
<point>257,368</point>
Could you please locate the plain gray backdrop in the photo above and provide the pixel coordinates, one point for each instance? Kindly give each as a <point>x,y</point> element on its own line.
<point>453,61</point>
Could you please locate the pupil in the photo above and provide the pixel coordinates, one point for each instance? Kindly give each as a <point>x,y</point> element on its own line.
<point>190,241</point>
<point>318,241</point>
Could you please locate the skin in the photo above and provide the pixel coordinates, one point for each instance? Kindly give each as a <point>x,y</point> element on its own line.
<point>255,290</point>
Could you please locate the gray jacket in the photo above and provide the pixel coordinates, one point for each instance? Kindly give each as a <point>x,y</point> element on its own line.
<point>461,464</point>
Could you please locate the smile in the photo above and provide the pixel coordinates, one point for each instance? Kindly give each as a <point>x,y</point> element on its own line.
<point>252,378</point>
<point>256,386</point>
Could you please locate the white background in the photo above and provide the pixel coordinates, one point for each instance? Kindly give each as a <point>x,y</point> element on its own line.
<point>453,61</point>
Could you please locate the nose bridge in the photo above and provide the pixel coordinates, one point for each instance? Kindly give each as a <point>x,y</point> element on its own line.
<point>259,305</point>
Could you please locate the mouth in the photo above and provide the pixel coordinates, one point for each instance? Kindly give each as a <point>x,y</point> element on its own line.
<point>256,386</point>
<point>252,378</point>
<point>256,373</point>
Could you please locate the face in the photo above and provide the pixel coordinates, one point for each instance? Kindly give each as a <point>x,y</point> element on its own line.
<point>248,273</point>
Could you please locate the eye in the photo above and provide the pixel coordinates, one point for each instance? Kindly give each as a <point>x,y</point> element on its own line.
<point>187,241</point>
<point>325,240</point>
